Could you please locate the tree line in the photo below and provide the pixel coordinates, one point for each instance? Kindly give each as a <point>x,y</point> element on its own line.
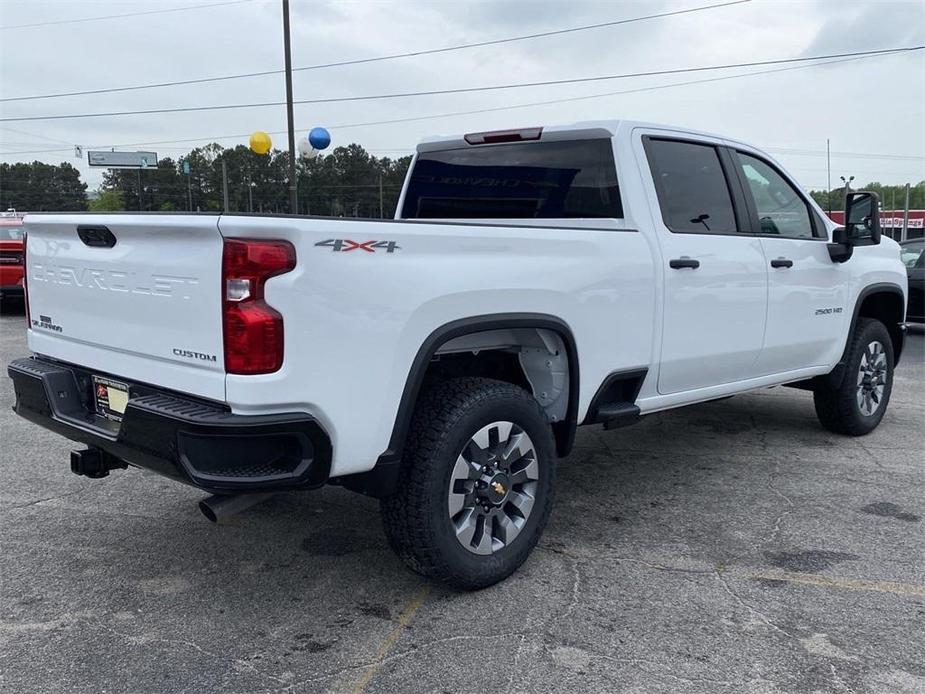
<point>41,187</point>
<point>348,182</point>
<point>891,197</point>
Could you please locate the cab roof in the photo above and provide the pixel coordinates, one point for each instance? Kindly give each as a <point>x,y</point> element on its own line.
<point>561,131</point>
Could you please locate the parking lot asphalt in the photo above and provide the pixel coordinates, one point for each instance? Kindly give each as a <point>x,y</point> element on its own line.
<point>733,547</point>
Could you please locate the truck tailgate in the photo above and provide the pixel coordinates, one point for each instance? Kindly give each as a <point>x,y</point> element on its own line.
<point>133,296</point>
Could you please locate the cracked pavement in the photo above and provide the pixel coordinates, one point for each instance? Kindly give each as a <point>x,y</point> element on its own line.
<point>728,547</point>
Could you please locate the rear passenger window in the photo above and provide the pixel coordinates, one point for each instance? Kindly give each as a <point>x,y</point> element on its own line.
<point>691,186</point>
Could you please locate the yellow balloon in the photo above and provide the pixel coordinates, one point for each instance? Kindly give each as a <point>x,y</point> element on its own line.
<point>260,142</point>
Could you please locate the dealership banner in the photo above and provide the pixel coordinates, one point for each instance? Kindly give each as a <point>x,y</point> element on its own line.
<point>897,222</point>
<point>890,219</point>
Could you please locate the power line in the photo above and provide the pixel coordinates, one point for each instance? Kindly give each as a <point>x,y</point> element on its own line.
<point>857,155</point>
<point>461,90</point>
<point>393,56</point>
<point>39,137</point>
<point>433,116</point>
<point>451,114</point>
<point>119,16</point>
<point>580,98</point>
<point>866,172</point>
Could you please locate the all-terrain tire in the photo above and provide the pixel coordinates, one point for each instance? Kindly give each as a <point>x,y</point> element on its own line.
<point>417,520</point>
<point>841,409</point>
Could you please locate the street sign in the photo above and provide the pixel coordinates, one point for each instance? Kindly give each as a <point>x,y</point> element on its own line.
<point>123,160</point>
<point>186,168</point>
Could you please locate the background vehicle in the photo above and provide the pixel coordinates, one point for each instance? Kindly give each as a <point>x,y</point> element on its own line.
<point>914,260</point>
<point>535,280</point>
<point>11,255</point>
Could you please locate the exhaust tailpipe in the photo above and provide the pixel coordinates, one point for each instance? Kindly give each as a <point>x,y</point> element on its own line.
<point>220,507</point>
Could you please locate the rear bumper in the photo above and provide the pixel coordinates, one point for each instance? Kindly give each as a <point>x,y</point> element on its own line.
<point>11,290</point>
<point>11,280</point>
<point>188,440</point>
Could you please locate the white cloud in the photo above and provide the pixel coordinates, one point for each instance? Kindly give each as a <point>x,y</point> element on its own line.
<point>871,106</point>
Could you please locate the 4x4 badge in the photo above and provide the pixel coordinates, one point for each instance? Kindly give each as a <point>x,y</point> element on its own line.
<point>347,245</point>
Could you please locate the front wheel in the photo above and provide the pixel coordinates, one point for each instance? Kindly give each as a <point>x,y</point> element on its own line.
<point>476,484</point>
<point>856,407</point>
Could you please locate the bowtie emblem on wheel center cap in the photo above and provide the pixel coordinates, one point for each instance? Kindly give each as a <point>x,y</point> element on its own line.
<point>497,489</point>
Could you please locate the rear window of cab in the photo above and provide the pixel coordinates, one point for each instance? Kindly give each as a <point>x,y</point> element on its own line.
<point>524,180</point>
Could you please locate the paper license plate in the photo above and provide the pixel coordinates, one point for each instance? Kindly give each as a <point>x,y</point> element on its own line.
<point>111,397</point>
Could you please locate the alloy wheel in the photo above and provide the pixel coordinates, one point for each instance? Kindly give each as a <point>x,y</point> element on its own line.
<point>492,487</point>
<point>872,376</point>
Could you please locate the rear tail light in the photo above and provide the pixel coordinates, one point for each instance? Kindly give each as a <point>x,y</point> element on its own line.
<point>253,330</point>
<point>496,136</point>
<point>25,276</point>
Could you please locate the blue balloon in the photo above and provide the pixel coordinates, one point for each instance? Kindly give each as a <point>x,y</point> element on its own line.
<point>319,138</point>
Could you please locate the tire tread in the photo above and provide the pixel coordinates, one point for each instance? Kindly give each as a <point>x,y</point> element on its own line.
<point>836,407</point>
<point>406,514</point>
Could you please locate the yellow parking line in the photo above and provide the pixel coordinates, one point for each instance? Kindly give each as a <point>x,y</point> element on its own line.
<point>403,620</point>
<point>843,583</point>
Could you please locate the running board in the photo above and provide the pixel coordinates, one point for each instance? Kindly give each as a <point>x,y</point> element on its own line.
<point>618,414</point>
<point>613,405</point>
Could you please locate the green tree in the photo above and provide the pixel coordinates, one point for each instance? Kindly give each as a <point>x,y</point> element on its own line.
<point>108,201</point>
<point>346,183</point>
<point>162,187</point>
<point>40,187</point>
<point>891,197</point>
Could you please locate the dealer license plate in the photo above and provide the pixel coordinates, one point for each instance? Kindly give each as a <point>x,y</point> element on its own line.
<point>111,397</point>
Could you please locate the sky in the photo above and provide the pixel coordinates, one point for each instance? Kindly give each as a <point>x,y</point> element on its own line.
<point>871,110</point>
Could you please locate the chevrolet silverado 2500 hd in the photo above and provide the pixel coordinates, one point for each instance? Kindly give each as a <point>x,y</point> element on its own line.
<point>534,280</point>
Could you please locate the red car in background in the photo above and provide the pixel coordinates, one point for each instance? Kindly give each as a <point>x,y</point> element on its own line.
<point>12,263</point>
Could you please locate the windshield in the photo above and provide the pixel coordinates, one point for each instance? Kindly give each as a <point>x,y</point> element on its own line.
<point>575,178</point>
<point>911,252</point>
<point>10,233</point>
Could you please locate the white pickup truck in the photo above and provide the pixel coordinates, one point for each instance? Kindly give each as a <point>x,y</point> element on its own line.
<point>533,281</point>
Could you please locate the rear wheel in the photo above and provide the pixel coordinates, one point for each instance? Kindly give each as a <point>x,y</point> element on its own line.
<point>476,484</point>
<point>856,407</point>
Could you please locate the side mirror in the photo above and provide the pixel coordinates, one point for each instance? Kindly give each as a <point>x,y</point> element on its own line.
<point>862,219</point>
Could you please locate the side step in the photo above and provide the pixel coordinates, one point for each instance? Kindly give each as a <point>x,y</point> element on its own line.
<point>618,414</point>
<point>613,405</point>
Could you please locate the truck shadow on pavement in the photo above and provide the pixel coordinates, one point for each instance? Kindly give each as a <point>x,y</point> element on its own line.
<point>704,480</point>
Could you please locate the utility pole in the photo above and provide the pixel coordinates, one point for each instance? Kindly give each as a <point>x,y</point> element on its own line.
<point>905,232</point>
<point>381,209</point>
<point>225,184</point>
<point>189,185</point>
<point>892,213</point>
<point>847,182</point>
<point>828,168</point>
<point>293,182</point>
